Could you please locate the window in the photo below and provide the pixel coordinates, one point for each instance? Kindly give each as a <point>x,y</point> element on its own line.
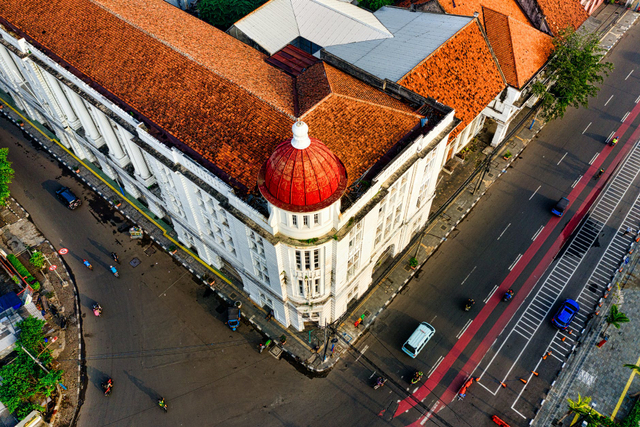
<point>355,243</point>
<point>301,287</point>
<point>316,219</point>
<point>307,260</point>
<point>305,220</point>
<point>299,260</point>
<point>294,220</point>
<point>316,259</point>
<point>316,286</point>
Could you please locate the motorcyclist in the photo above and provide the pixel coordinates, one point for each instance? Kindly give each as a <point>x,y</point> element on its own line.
<point>416,377</point>
<point>115,257</point>
<point>600,172</point>
<point>469,304</point>
<point>508,295</point>
<point>97,309</point>
<point>107,387</point>
<point>379,382</point>
<point>163,404</point>
<point>87,264</point>
<point>113,270</point>
<point>614,141</point>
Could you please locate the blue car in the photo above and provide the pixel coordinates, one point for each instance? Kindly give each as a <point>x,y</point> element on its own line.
<point>565,314</point>
<point>560,207</point>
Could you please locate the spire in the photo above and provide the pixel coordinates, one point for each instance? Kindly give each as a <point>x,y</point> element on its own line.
<point>300,135</point>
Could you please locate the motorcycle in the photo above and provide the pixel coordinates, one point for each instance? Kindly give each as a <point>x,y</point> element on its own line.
<point>107,387</point>
<point>599,174</point>
<point>115,257</point>
<point>163,404</point>
<point>97,309</point>
<point>87,264</point>
<point>508,295</point>
<point>416,377</point>
<point>469,304</point>
<point>379,383</point>
<point>613,141</point>
<point>114,271</point>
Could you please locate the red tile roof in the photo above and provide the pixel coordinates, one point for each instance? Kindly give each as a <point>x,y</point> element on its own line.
<point>562,14</point>
<point>461,73</point>
<point>207,89</point>
<point>521,50</point>
<point>469,7</point>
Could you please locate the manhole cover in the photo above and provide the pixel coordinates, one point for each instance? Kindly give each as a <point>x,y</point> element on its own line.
<point>444,227</point>
<point>367,313</point>
<point>460,208</point>
<point>134,262</point>
<point>150,251</point>
<point>233,296</point>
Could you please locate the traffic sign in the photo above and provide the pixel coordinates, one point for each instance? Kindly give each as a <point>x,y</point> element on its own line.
<point>63,251</point>
<point>52,267</point>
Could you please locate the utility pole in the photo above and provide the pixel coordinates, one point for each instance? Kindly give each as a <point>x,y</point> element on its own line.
<point>40,364</point>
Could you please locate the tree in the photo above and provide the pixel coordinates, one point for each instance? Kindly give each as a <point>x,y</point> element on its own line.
<point>224,13</point>
<point>374,5</point>
<point>615,318</point>
<point>634,368</point>
<point>572,73</point>
<point>37,259</point>
<point>6,175</point>
<point>580,406</point>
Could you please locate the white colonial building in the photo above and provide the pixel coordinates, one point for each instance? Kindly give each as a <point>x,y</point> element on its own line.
<point>287,173</point>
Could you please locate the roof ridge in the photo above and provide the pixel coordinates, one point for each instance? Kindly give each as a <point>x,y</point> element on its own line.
<point>191,58</point>
<point>513,50</point>
<point>319,2</point>
<point>290,2</point>
<point>386,107</point>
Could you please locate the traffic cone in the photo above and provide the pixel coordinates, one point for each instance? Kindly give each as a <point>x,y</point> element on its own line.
<point>523,380</point>
<point>534,373</point>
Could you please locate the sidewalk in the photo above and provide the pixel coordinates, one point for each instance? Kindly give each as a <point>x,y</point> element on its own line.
<point>456,195</point>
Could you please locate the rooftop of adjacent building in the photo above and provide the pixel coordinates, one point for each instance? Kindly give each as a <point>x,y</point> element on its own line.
<point>209,91</point>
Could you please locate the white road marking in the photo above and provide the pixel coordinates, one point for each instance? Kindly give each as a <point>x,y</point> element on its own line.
<point>508,225</point>
<point>534,193</point>
<point>493,291</point>
<point>434,318</point>
<point>605,104</point>
<point>515,262</point>
<point>535,236</point>
<point>628,75</point>
<point>625,116</point>
<point>576,181</point>
<point>474,268</point>
<point>362,352</point>
<point>464,329</point>
<point>438,362</point>
<point>595,156</point>
<point>585,129</point>
<point>565,154</point>
<point>637,99</point>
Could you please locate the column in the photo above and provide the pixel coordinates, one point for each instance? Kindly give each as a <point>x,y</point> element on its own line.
<point>11,66</point>
<point>72,119</point>
<point>110,138</point>
<point>85,118</point>
<point>139,163</point>
<point>501,131</point>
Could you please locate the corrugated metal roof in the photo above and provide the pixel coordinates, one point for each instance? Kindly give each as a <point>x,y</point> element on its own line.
<point>323,22</point>
<point>415,36</point>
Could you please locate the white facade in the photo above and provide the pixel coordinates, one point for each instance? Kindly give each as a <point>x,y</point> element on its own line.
<point>306,267</point>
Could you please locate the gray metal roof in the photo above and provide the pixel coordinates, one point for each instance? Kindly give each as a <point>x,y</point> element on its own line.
<point>415,36</point>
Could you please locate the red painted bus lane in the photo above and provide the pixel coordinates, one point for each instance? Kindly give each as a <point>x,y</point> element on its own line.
<point>486,311</point>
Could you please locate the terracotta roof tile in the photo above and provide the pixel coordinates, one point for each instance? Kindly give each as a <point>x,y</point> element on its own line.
<point>312,86</point>
<point>562,14</point>
<point>521,50</point>
<point>210,91</point>
<point>469,7</point>
<point>461,73</point>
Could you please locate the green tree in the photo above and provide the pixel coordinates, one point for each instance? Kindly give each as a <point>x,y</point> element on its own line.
<point>224,13</point>
<point>374,5</point>
<point>615,318</point>
<point>580,406</point>
<point>31,335</point>
<point>634,368</point>
<point>6,175</point>
<point>572,73</point>
<point>37,259</point>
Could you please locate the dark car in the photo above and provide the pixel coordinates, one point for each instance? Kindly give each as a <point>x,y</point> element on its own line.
<point>560,207</point>
<point>67,197</point>
<point>565,314</point>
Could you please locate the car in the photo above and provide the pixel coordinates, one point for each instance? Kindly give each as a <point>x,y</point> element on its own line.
<point>565,314</point>
<point>560,207</point>
<point>67,197</point>
<point>418,339</point>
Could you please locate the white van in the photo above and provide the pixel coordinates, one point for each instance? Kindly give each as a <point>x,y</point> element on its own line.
<point>418,339</point>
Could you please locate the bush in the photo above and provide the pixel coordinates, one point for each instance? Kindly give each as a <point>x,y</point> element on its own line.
<point>224,13</point>
<point>21,269</point>
<point>37,260</point>
<point>374,5</point>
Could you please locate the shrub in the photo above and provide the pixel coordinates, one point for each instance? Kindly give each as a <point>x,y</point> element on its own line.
<point>374,5</point>
<point>21,269</point>
<point>37,260</point>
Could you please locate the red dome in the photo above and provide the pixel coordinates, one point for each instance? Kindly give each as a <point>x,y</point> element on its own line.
<point>302,174</point>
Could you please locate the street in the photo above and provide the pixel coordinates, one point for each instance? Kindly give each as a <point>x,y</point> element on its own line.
<point>163,334</point>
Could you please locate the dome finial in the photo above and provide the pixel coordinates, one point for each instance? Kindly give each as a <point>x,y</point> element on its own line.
<point>300,135</point>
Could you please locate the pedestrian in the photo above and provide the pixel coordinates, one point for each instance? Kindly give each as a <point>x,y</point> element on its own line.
<point>629,230</point>
<point>269,315</point>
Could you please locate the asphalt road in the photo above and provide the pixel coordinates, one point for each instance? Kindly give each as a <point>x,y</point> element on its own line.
<point>499,230</point>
